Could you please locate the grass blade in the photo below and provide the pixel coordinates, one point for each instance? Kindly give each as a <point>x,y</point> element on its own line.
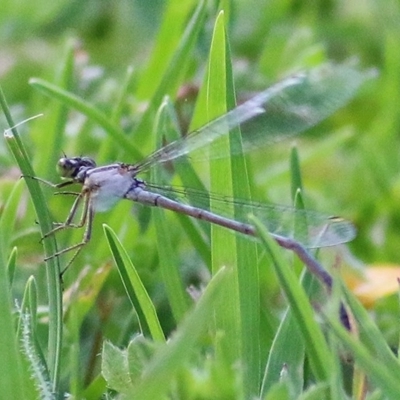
<point>316,347</point>
<point>135,289</point>
<point>52,267</point>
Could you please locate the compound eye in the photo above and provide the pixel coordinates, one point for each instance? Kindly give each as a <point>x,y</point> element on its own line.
<point>67,167</point>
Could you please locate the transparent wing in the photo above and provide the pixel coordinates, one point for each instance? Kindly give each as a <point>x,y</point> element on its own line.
<point>284,110</point>
<point>310,228</point>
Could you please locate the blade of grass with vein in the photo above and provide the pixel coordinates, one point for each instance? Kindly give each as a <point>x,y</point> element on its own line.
<point>288,346</point>
<point>52,266</point>
<point>223,243</point>
<point>168,262</point>
<point>247,272</point>
<point>317,350</point>
<point>287,349</point>
<point>176,352</point>
<point>135,289</point>
<point>229,176</point>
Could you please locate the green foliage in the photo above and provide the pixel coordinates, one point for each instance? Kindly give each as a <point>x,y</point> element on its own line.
<point>115,80</point>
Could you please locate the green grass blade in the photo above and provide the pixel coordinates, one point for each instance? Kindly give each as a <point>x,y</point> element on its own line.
<point>168,262</point>
<point>229,176</point>
<point>223,243</point>
<point>52,267</point>
<point>316,346</point>
<point>248,274</point>
<point>288,348</point>
<point>135,289</point>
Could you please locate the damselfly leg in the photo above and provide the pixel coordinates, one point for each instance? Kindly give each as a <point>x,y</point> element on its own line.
<point>85,220</point>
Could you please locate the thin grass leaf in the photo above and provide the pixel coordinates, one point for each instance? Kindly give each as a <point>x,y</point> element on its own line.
<point>135,289</point>
<point>223,244</point>
<point>168,262</point>
<point>317,350</point>
<point>248,264</point>
<point>239,314</point>
<point>288,348</point>
<point>17,148</point>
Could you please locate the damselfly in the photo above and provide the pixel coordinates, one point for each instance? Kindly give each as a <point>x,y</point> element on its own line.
<point>285,109</point>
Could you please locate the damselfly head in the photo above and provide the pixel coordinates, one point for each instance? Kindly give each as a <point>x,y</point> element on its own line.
<point>70,167</point>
